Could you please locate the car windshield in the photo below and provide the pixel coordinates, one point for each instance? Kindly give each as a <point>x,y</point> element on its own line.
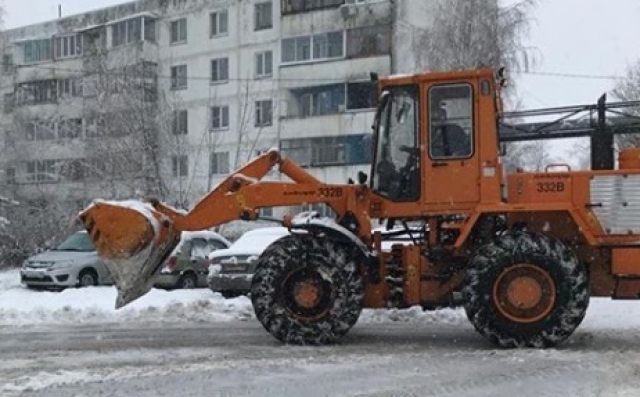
<point>77,242</point>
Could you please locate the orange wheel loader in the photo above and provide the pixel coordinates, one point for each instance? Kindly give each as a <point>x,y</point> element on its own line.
<point>522,252</point>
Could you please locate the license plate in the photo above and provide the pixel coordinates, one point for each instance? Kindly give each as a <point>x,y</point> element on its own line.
<point>35,273</point>
<point>234,267</point>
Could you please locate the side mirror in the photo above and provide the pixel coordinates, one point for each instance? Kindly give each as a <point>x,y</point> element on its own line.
<point>362,177</point>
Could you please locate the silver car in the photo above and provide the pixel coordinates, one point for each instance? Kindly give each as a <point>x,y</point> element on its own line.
<point>74,263</point>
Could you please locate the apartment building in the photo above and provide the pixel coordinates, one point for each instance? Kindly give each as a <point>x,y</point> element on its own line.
<point>167,97</point>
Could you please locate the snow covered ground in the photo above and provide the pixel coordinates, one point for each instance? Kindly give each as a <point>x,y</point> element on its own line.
<point>20,306</point>
<point>195,342</point>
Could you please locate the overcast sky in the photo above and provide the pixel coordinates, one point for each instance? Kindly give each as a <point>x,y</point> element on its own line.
<point>575,37</point>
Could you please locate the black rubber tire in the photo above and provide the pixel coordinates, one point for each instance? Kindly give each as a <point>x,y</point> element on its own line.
<point>302,251</point>
<point>559,261</point>
<point>187,281</point>
<point>87,278</point>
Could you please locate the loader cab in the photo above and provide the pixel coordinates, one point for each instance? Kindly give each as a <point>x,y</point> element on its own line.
<point>436,141</point>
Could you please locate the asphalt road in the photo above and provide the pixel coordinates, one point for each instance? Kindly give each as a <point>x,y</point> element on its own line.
<point>241,359</point>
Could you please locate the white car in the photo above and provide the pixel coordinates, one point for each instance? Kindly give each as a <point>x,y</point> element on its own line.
<point>231,270</point>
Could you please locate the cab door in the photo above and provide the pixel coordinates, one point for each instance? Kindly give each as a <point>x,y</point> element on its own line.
<point>451,169</point>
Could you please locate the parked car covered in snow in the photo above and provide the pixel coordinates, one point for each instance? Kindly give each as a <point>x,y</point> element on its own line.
<point>187,266</point>
<point>231,270</point>
<point>74,263</point>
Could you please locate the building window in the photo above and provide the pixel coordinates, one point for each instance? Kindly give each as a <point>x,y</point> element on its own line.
<point>219,117</point>
<point>10,176</point>
<point>179,31</point>
<point>295,6</point>
<point>8,102</point>
<point>328,45</point>
<point>180,166</point>
<point>180,124</point>
<point>264,113</point>
<point>126,32</point>
<point>263,16</point>
<point>179,77</point>
<point>369,41</point>
<point>219,22</point>
<point>150,29</point>
<point>325,46</point>
<point>35,92</point>
<point>362,95</point>
<point>219,164</point>
<point>41,131</point>
<point>219,70</point>
<point>71,87</point>
<point>296,49</point>
<point>42,171</point>
<point>320,100</point>
<point>328,151</point>
<point>7,64</point>
<point>264,64</point>
<point>36,50</point>
<point>68,46</point>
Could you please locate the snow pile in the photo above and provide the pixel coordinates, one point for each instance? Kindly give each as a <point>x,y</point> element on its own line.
<point>20,306</point>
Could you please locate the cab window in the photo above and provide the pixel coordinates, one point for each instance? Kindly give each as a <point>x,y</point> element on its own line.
<point>451,121</point>
<point>396,172</point>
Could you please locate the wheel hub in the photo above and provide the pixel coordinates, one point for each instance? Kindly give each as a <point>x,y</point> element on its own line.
<point>307,294</point>
<point>524,293</point>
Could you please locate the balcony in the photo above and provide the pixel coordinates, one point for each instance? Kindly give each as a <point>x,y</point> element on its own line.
<point>298,6</point>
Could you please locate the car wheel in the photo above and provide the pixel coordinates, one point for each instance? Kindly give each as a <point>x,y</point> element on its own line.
<point>87,278</point>
<point>187,281</point>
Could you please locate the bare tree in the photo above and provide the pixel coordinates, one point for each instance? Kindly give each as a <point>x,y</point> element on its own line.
<point>628,89</point>
<point>250,131</point>
<point>477,33</point>
<point>529,156</point>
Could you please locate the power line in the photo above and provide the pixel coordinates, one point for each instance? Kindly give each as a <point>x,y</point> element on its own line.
<point>570,75</point>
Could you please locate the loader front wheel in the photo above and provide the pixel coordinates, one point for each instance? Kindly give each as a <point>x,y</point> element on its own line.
<point>526,290</point>
<point>307,290</point>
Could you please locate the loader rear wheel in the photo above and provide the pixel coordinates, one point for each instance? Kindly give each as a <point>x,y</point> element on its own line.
<point>307,290</point>
<point>526,290</point>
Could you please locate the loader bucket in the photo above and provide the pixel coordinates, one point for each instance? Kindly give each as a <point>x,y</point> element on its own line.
<point>133,240</point>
